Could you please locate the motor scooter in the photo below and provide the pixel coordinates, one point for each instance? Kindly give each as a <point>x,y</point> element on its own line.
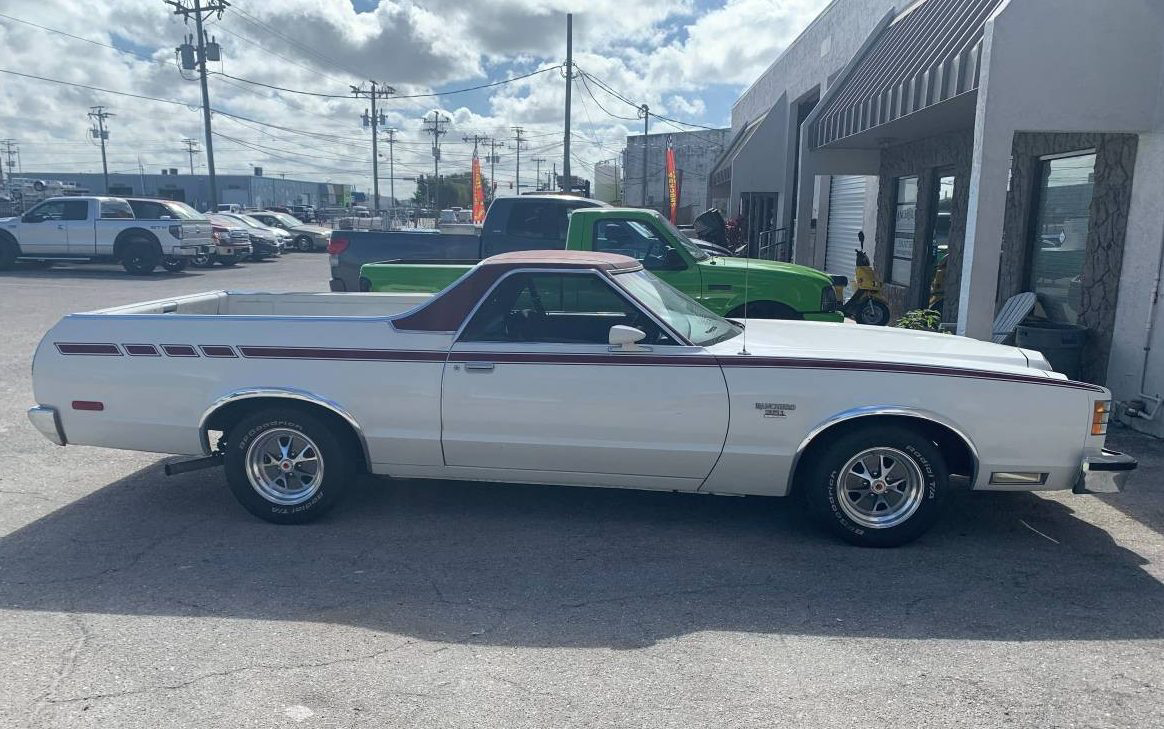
<point>866,305</point>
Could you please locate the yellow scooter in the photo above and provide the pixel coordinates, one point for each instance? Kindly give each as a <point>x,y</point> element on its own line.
<point>866,305</point>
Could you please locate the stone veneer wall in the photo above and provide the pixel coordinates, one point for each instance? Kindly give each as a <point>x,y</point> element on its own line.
<point>1115,160</point>
<point>924,158</point>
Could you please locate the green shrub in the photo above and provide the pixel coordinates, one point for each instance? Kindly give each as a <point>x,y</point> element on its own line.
<point>928,320</point>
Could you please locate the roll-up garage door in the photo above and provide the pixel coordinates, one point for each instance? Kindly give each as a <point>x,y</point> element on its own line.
<point>846,216</point>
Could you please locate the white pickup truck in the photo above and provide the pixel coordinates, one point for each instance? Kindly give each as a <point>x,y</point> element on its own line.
<point>569,368</point>
<point>101,229</point>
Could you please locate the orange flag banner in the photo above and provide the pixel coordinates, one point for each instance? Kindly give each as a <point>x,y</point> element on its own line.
<point>672,185</point>
<point>478,192</point>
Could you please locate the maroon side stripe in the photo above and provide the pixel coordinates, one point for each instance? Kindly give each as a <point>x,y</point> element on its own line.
<point>675,360</point>
<point>108,350</point>
<point>142,350</point>
<point>900,367</point>
<point>217,350</point>
<point>341,354</point>
<point>179,350</point>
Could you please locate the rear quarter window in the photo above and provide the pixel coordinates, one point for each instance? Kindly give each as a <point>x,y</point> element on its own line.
<point>117,210</point>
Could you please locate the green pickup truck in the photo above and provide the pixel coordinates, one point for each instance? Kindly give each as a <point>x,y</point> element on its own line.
<point>770,289</point>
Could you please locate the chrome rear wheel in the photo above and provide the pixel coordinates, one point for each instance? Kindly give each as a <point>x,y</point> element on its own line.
<point>284,466</point>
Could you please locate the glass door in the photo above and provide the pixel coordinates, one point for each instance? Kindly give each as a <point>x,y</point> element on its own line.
<point>937,249</point>
<point>1058,237</point>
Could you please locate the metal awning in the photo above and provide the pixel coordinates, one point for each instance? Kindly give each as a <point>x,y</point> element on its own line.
<point>928,55</point>
<point>722,172</point>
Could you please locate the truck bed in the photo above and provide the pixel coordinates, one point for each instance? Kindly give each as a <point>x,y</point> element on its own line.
<point>234,303</point>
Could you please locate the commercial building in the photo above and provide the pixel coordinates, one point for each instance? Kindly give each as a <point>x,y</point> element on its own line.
<point>695,155</point>
<point>606,182</point>
<point>1012,145</point>
<point>248,190</point>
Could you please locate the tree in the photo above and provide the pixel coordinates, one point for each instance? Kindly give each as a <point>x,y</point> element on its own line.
<point>456,190</point>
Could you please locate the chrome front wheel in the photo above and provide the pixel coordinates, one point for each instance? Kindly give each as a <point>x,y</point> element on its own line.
<point>284,466</point>
<point>880,488</point>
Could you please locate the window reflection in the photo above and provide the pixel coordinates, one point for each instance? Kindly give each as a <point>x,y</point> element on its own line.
<point>1059,234</point>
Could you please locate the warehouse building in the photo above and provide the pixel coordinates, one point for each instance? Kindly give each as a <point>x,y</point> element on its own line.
<point>1013,145</point>
<point>254,191</point>
<point>695,155</point>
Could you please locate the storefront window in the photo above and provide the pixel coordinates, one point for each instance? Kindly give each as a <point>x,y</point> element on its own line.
<point>904,225</point>
<point>934,295</point>
<point>1059,234</point>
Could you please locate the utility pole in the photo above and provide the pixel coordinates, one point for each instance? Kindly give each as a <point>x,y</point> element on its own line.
<point>9,156</point>
<point>378,91</point>
<point>436,127</point>
<point>645,113</point>
<point>569,86</point>
<point>191,149</point>
<point>494,158</point>
<point>98,114</point>
<point>538,161</point>
<point>197,57</point>
<point>391,140</point>
<point>518,140</point>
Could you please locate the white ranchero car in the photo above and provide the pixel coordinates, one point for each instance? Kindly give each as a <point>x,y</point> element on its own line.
<point>568,368</point>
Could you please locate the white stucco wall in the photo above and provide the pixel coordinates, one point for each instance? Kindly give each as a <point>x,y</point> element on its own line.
<point>1134,312</point>
<point>1053,66</point>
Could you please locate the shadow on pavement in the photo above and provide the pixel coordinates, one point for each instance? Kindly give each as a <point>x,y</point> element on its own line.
<point>556,566</point>
<point>1142,500</point>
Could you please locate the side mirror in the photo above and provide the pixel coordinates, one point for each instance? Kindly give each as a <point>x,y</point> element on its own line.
<point>626,338</point>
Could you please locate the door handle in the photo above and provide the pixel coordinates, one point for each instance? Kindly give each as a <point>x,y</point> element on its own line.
<point>479,366</point>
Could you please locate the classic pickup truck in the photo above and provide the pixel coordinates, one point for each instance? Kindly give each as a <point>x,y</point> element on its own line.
<point>729,286</point>
<point>99,229</point>
<point>569,368</point>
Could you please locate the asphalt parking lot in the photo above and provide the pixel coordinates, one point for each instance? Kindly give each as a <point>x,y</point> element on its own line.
<point>128,599</point>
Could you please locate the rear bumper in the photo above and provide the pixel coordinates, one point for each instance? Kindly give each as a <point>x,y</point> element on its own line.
<point>48,422</point>
<point>1104,473</point>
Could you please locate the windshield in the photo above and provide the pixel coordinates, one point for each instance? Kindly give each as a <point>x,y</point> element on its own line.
<point>682,313</point>
<point>184,211</point>
<point>286,219</point>
<point>696,252</point>
<point>249,220</point>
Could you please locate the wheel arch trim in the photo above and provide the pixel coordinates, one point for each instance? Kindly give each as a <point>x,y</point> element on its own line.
<point>283,393</point>
<point>890,410</point>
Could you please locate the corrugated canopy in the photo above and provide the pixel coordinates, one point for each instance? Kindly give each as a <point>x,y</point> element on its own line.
<point>927,55</point>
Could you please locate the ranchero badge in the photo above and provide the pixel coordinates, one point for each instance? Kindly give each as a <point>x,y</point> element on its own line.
<point>775,409</point>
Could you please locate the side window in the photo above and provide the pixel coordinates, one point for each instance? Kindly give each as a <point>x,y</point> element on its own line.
<point>141,209</point>
<point>45,212</point>
<point>638,240</point>
<point>556,308</point>
<point>77,210</point>
<point>546,221</point>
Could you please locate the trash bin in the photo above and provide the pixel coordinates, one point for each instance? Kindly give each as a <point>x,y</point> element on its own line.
<point>1062,344</point>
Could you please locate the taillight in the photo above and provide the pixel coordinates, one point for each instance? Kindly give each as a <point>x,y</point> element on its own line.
<point>176,231</point>
<point>336,246</point>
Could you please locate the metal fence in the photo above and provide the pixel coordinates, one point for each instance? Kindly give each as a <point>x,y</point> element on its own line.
<point>775,244</point>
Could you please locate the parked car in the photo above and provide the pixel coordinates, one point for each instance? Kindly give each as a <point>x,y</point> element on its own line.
<point>104,229</point>
<point>229,208</point>
<point>575,368</point>
<point>511,223</point>
<point>731,287</point>
<point>447,216</point>
<point>305,213</point>
<point>232,243</point>
<point>303,237</point>
<point>266,241</point>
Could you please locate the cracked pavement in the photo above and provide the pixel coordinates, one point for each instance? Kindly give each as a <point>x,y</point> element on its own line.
<point>129,599</point>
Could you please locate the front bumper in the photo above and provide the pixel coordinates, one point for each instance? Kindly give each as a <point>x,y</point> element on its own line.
<point>830,316</point>
<point>1104,473</point>
<point>262,247</point>
<point>48,422</point>
<point>233,250</point>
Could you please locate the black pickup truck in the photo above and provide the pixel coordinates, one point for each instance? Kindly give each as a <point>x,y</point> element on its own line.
<point>523,223</point>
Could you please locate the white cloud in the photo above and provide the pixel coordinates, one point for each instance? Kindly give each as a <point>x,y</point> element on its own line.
<point>663,53</point>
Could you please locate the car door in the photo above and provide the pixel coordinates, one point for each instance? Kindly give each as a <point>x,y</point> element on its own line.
<point>43,231</point>
<point>532,385</point>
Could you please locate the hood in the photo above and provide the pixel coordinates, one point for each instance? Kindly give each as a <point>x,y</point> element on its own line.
<point>815,340</point>
<point>316,229</point>
<point>756,264</point>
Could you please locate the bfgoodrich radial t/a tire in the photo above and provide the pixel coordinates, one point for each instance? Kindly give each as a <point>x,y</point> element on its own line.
<point>287,466</point>
<point>877,486</point>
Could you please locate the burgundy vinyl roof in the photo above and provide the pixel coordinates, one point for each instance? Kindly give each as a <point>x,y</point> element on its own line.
<point>448,310</point>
